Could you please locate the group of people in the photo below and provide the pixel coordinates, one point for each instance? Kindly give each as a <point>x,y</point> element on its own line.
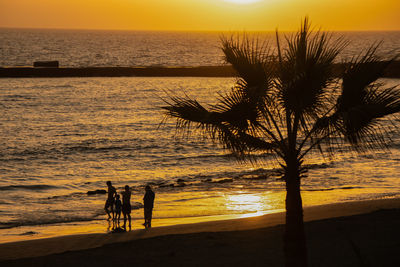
<point>114,206</point>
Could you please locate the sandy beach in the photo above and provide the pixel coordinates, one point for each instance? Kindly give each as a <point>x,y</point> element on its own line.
<point>345,234</point>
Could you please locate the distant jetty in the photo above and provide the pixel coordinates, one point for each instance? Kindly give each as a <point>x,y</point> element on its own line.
<point>206,71</point>
<point>46,64</point>
<point>393,71</point>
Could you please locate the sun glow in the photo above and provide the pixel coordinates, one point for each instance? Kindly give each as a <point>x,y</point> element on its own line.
<point>200,15</point>
<point>242,2</point>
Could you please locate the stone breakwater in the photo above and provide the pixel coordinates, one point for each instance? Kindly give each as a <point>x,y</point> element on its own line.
<point>393,71</point>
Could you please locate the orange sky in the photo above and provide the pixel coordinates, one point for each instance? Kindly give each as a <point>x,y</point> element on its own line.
<point>215,15</point>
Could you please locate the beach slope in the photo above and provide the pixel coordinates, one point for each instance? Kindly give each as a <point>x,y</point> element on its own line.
<point>347,234</point>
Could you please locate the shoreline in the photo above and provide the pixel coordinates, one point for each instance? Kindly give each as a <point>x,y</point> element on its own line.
<point>393,71</point>
<point>103,226</point>
<point>61,244</point>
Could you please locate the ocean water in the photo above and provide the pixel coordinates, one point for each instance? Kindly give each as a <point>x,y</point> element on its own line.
<point>82,48</point>
<point>63,137</point>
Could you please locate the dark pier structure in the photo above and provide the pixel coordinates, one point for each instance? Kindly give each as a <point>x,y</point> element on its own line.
<point>393,71</point>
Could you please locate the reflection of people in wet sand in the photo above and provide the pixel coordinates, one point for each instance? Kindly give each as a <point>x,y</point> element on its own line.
<point>148,202</point>
<point>111,192</point>
<point>126,205</point>
<point>118,206</point>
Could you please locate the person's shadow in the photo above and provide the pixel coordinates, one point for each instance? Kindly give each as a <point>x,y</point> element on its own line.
<point>111,225</point>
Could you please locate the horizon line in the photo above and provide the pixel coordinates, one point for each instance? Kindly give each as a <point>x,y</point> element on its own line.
<point>182,30</point>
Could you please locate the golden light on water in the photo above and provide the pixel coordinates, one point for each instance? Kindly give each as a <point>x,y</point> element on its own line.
<point>244,203</point>
<point>251,205</point>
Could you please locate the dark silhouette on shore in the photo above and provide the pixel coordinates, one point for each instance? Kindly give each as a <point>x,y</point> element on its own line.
<point>126,206</point>
<point>148,203</point>
<point>287,102</point>
<point>118,209</point>
<point>111,192</point>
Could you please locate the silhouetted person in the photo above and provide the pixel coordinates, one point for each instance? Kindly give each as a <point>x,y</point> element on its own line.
<point>126,205</point>
<point>111,192</point>
<point>118,207</point>
<point>148,202</point>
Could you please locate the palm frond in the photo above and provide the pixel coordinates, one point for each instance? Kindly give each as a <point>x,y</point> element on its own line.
<point>359,123</point>
<point>241,143</point>
<point>221,126</point>
<point>363,101</point>
<point>306,71</point>
<point>250,57</point>
<point>358,75</point>
<point>246,102</point>
<point>190,110</point>
<point>242,108</point>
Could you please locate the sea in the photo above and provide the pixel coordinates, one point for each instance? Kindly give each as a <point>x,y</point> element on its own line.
<point>61,138</point>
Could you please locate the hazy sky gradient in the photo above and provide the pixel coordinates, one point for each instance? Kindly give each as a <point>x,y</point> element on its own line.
<point>215,15</point>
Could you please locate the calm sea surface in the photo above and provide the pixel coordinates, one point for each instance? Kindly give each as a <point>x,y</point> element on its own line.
<point>63,137</point>
<point>82,48</point>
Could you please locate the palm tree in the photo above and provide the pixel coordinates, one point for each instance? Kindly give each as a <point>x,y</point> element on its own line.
<point>290,102</point>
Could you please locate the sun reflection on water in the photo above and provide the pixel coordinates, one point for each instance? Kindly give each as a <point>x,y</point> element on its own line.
<point>251,205</point>
<point>244,202</point>
<point>248,204</point>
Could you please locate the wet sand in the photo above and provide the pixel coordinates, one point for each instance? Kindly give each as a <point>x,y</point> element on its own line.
<point>346,234</point>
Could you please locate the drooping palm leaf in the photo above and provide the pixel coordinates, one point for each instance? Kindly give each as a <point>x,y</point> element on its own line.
<point>359,74</point>
<point>363,102</point>
<point>242,143</point>
<point>248,99</point>
<point>359,123</point>
<point>217,125</point>
<point>189,110</point>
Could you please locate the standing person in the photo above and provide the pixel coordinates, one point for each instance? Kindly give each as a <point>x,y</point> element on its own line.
<point>126,205</point>
<point>110,199</point>
<point>148,201</point>
<point>118,206</point>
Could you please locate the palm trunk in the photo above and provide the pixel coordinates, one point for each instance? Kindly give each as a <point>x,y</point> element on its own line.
<point>295,247</point>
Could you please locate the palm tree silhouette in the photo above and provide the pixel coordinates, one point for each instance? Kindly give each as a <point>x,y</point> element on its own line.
<point>289,102</point>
